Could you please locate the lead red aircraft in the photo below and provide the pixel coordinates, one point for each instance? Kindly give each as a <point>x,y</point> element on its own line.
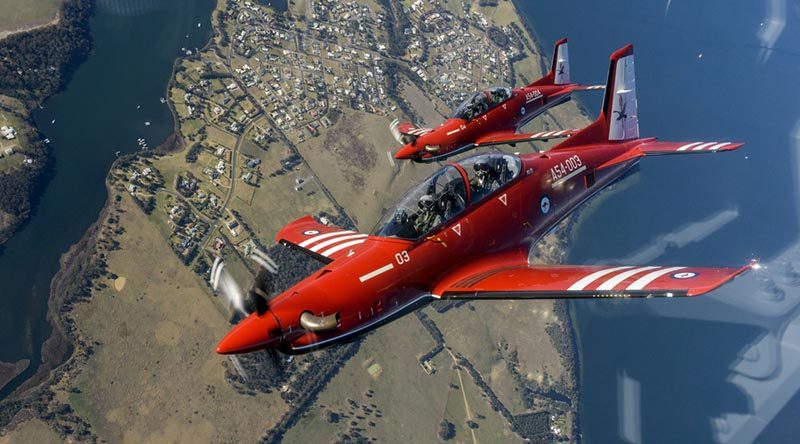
<point>466,233</point>
<point>492,116</point>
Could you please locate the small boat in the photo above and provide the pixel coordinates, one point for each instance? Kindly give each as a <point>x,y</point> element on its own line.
<point>162,100</point>
<point>147,124</point>
<point>53,121</point>
<point>138,106</point>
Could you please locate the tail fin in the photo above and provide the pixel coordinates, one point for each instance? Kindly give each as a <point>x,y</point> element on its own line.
<point>559,71</point>
<point>619,119</point>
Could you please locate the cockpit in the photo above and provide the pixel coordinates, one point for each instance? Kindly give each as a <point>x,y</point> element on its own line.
<point>447,193</point>
<point>481,102</point>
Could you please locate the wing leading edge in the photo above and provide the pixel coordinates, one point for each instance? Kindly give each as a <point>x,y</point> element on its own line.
<point>576,282</point>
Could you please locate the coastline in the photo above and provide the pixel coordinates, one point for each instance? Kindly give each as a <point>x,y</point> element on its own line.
<point>51,22</point>
<point>564,307</point>
<point>75,268</point>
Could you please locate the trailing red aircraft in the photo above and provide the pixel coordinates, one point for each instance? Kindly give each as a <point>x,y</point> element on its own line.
<point>466,233</point>
<point>492,116</point>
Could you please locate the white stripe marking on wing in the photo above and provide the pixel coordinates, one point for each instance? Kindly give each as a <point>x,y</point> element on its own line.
<point>335,240</point>
<point>318,238</point>
<point>586,280</point>
<point>718,146</point>
<point>614,281</point>
<point>688,145</point>
<point>644,281</point>
<point>332,250</point>
<point>705,145</point>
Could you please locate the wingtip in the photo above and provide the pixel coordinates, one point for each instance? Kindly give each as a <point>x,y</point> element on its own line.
<point>623,52</point>
<point>752,265</point>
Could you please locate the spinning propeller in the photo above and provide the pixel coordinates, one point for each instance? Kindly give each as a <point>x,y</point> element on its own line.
<point>256,298</point>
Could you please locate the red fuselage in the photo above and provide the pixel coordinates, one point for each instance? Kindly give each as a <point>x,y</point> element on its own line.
<point>456,134</point>
<point>390,276</point>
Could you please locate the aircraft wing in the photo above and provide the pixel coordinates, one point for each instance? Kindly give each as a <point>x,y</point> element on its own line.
<point>588,87</point>
<point>506,137</point>
<point>657,148</point>
<point>573,281</point>
<point>322,242</point>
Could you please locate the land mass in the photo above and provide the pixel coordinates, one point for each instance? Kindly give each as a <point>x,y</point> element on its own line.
<point>25,15</point>
<point>282,115</point>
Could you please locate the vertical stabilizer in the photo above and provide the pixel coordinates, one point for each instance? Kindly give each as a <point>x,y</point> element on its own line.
<point>559,70</point>
<point>622,112</point>
<point>561,63</point>
<point>619,116</point>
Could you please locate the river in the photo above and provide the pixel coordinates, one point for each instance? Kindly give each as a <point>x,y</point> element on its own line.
<point>103,109</point>
<point>723,367</point>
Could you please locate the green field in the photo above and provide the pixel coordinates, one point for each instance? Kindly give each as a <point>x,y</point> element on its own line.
<point>21,14</point>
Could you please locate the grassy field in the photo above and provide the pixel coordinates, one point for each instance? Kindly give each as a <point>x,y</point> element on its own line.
<point>22,14</point>
<point>351,160</point>
<point>154,376</point>
<point>33,431</point>
<point>403,403</point>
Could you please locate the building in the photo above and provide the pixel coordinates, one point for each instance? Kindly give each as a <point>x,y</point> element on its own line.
<point>8,132</point>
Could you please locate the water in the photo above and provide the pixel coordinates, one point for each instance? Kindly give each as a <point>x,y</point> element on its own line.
<point>705,70</point>
<point>136,43</point>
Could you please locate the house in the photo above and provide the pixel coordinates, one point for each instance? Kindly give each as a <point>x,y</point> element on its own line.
<point>8,132</point>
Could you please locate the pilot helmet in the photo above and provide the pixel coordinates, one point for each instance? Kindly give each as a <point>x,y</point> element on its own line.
<point>481,167</point>
<point>426,202</point>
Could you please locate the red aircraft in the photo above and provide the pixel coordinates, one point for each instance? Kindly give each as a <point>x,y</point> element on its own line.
<point>466,233</point>
<point>492,116</point>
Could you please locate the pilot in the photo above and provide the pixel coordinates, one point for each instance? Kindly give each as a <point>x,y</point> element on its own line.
<point>428,216</point>
<point>496,96</point>
<point>485,179</point>
<point>404,225</point>
<point>502,172</point>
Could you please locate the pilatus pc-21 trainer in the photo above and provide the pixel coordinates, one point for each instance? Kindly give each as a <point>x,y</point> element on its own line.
<point>465,233</point>
<point>493,116</point>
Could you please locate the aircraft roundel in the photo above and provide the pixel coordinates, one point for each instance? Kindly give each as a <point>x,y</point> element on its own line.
<point>684,275</point>
<point>522,111</point>
<point>544,204</point>
<point>310,232</point>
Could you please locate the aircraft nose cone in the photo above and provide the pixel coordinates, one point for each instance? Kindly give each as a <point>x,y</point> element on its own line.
<point>406,152</point>
<point>255,332</point>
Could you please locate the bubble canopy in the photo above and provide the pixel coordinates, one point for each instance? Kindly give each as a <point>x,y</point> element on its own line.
<point>443,196</point>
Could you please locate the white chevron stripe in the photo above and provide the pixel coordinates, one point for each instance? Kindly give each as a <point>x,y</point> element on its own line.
<point>336,240</point>
<point>642,282</point>
<point>332,250</point>
<point>586,280</point>
<point>318,238</point>
<point>701,147</point>
<point>614,281</point>
<point>718,146</point>
<point>688,145</point>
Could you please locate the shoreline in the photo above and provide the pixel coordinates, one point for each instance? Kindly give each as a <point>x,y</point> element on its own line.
<point>51,22</point>
<point>59,348</point>
<point>569,320</point>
